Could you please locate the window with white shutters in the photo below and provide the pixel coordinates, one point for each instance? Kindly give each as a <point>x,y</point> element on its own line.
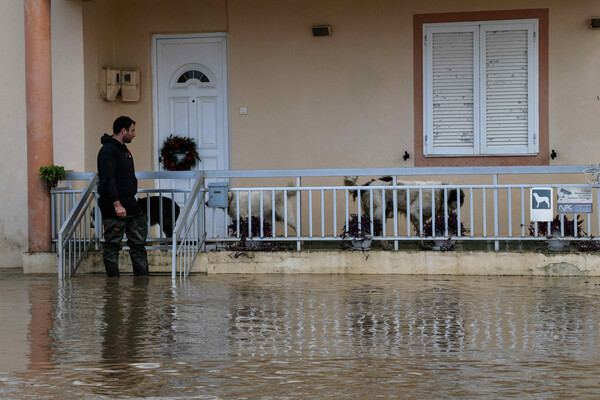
<point>480,88</point>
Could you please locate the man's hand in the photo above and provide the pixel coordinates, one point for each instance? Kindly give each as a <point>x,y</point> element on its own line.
<point>119,209</point>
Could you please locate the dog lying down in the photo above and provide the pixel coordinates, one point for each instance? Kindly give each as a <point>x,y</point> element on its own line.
<point>452,199</point>
<point>167,206</point>
<point>267,205</point>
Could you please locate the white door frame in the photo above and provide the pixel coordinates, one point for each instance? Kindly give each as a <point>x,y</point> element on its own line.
<point>226,131</point>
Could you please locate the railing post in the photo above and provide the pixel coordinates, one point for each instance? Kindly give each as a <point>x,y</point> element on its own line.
<point>97,222</point>
<point>496,232</point>
<point>395,199</point>
<point>202,221</point>
<point>61,259</point>
<point>298,214</point>
<point>173,257</point>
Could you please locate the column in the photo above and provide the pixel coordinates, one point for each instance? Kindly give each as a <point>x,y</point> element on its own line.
<point>38,71</point>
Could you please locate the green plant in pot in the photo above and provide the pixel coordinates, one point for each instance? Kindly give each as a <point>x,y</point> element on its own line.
<point>440,230</point>
<point>52,175</point>
<point>358,233</point>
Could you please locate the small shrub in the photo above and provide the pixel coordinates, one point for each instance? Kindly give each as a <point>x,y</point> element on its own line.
<point>52,174</point>
<point>587,245</point>
<point>240,248</point>
<point>244,234</point>
<point>569,228</point>
<point>361,231</point>
<point>440,226</point>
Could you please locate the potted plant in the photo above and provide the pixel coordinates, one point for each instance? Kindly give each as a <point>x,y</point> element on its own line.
<point>179,153</point>
<point>255,231</point>
<point>444,244</point>
<point>554,233</point>
<point>52,175</point>
<point>359,233</point>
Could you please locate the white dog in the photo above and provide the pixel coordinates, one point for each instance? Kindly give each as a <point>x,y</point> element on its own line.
<point>541,199</point>
<point>267,206</point>
<point>451,199</point>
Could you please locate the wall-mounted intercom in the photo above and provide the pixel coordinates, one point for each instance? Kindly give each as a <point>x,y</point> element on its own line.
<point>110,83</point>
<point>130,85</point>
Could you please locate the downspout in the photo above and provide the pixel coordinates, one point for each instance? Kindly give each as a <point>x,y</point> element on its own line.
<point>38,77</point>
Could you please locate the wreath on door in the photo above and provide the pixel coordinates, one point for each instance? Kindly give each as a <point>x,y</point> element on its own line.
<point>179,153</point>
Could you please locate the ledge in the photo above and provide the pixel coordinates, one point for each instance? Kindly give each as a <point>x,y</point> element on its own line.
<point>348,262</point>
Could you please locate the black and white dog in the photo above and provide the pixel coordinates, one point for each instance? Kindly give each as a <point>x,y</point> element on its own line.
<point>452,199</point>
<point>167,212</point>
<point>155,209</point>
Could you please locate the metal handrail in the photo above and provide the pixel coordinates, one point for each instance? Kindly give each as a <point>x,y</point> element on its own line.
<point>180,232</point>
<point>405,171</point>
<point>68,228</point>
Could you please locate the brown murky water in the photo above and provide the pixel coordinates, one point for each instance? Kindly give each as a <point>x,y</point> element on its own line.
<point>299,337</point>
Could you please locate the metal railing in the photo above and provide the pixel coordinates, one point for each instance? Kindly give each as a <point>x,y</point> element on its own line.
<point>315,206</point>
<point>77,221</point>
<point>75,235</point>
<point>189,234</point>
<point>492,212</point>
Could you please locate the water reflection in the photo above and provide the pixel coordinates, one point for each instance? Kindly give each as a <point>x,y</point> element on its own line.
<point>310,337</point>
<point>124,320</point>
<point>41,300</point>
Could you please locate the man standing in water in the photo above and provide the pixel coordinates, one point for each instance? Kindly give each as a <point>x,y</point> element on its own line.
<point>117,187</point>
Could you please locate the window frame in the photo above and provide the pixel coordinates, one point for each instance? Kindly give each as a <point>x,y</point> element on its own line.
<point>541,117</point>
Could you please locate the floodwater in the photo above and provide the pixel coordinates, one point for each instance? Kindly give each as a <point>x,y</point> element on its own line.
<point>299,337</point>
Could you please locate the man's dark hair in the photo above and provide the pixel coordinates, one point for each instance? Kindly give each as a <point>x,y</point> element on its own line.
<point>122,122</point>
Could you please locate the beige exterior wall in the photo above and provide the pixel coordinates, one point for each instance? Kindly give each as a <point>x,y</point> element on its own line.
<point>347,100</point>
<point>118,34</point>
<point>332,102</point>
<point>13,135</point>
<point>99,52</point>
<point>68,84</point>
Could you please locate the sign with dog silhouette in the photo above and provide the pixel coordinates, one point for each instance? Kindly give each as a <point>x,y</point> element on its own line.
<point>574,200</point>
<point>542,204</point>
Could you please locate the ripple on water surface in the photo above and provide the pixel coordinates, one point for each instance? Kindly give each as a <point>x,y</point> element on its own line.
<point>300,336</point>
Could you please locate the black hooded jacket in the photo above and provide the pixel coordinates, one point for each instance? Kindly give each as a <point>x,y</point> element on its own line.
<point>116,178</point>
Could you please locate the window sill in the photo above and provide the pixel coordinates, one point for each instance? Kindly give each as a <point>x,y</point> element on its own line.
<point>479,160</point>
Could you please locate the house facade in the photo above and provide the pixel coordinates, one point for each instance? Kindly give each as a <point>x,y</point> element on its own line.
<point>462,83</point>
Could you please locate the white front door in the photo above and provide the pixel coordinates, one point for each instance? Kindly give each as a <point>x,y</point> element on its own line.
<point>190,73</point>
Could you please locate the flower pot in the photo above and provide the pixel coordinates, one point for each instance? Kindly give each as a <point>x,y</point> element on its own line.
<point>558,245</point>
<point>51,184</point>
<point>361,244</point>
<point>438,244</point>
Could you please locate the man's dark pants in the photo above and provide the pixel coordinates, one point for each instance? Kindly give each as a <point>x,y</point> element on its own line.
<point>136,229</point>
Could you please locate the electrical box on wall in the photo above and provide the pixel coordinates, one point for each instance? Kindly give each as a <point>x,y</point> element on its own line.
<point>110,83</point>
<point>217,194</point>
<point>130,85</point>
